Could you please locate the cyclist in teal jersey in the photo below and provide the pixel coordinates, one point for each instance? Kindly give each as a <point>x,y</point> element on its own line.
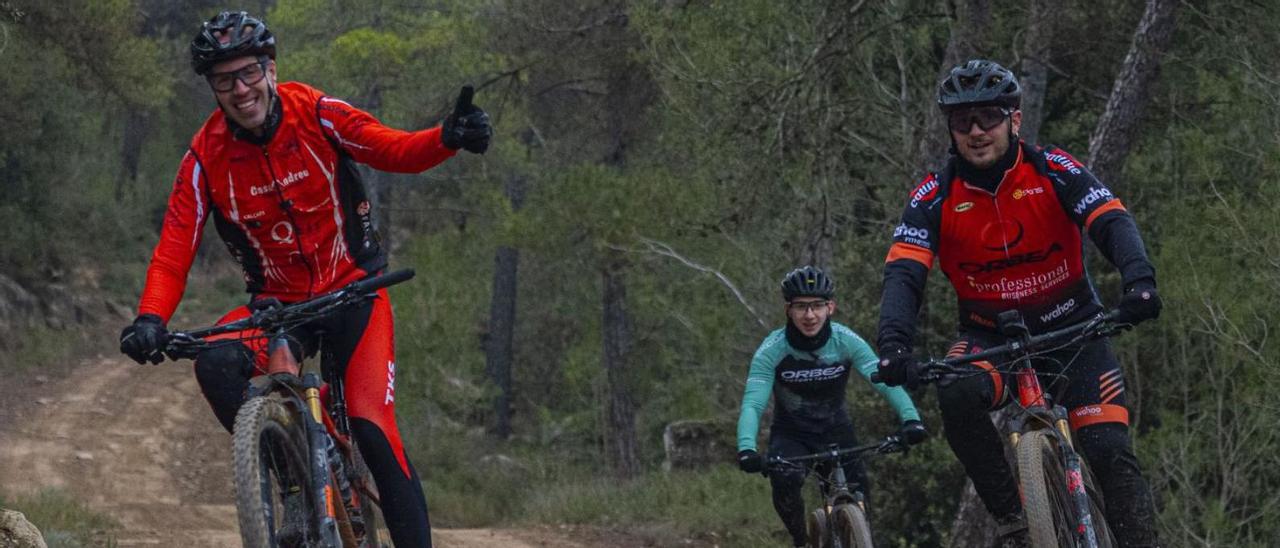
<point>805,366</point>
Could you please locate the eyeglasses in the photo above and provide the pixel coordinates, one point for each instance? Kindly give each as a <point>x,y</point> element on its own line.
<point>226,81</point>
<point>986,118</point>
<point>803,307</point>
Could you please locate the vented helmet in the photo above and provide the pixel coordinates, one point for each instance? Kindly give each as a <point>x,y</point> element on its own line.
<point>979,82</point>
<point>228,35</point>
<point>807,281</point>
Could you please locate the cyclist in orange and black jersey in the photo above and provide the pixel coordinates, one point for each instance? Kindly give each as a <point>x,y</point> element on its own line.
<point>1004,220</point>
<point>1015,240</point>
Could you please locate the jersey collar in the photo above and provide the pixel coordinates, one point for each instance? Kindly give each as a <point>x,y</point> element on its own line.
<point>799,341</point>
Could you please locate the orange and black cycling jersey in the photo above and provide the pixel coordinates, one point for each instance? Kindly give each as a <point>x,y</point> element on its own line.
<point>292,210</point>
<point>1014,245</point>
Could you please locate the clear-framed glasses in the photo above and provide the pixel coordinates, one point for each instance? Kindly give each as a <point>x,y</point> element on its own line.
<point>986,117</point>
<point>249,74</point>
<point>805,307</point>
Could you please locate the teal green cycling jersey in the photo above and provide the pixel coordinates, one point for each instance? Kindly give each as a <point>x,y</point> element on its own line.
<point>809,386</point>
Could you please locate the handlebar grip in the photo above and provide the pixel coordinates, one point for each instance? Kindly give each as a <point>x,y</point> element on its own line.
<point>385,280</point>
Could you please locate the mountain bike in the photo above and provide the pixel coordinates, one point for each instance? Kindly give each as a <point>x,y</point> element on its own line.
<point>840,521</point>
<point>1061,502</point>
<point>299,479</point>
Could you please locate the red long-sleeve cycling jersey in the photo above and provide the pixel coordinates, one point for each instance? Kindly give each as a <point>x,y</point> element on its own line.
<point>1016,247</point>
<point>292,211</point>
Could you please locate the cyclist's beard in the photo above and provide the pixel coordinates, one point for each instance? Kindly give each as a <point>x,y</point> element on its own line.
<point>269,124</point>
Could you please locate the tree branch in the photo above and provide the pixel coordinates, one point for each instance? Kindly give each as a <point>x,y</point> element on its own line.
<point>659,248</point>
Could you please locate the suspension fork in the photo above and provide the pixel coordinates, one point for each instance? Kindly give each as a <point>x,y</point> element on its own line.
<point>1031,397</point>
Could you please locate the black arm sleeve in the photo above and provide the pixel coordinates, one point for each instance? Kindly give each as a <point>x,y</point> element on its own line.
<point>1116,235</point>
<point>900,303</point>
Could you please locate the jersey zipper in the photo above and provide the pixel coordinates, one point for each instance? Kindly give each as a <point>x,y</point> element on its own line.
<point>286,206</point>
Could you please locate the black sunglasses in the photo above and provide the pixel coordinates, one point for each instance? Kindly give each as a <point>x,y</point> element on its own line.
<point>249,74</point>
<point>986,118</point>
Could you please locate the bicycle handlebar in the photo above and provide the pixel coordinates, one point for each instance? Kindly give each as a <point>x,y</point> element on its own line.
<point>889,444</point>
<point>1099,326</point>
<point>369,285</point>
<point>181,344</point>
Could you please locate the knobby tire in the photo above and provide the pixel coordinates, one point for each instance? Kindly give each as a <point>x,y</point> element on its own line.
<point>1050,514</point>
<point>269,455</point>
<point>817,529</point>
<point>851,528</point>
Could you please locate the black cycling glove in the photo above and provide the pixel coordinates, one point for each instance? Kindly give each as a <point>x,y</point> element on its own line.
<point>750,462</point>
<point>144,340</point>
<point>899,368</point>
<point>467,127</point>
<point>1139,303</point>
<point>912,432</point>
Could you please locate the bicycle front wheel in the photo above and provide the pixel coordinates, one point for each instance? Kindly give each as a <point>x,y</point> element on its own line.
<point>273,502</point>
<point>1051,516</point>
<point>817,528</point>
<point>851,526</point>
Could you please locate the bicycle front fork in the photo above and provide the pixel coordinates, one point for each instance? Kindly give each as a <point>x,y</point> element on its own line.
<point>1075,484</point>
<point>1060,423</point>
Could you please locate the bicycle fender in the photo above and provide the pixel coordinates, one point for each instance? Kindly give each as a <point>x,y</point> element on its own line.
<point>260,386</point>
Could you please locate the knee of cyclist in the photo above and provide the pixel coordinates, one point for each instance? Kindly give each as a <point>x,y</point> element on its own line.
<point>1106,445</point>
<point>962,395</point>
<point>233,362</point>
<point>786,481</point>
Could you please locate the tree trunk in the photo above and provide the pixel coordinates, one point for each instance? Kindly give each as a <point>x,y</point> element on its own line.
<point>970,21</point>
<point>135,134</point>
<point>1114,135</point>
<point>620,423</point>
<point>500,342</point>
<point>1035,72</point>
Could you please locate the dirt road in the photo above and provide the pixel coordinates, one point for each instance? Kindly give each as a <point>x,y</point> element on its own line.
<point>138,443</point>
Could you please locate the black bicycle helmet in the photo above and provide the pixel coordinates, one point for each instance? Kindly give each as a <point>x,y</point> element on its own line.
<point>979,82</point>
<point>807,281</point>
<point>228,35</point>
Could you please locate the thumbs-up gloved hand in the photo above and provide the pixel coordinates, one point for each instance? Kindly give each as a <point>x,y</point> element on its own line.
<point>467,127</point>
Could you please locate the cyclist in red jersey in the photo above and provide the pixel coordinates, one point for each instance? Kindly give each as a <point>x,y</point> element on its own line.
<point>274,167</point>
<point>1004,220</point>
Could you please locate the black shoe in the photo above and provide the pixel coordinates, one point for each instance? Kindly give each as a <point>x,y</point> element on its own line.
<point>1011,532</point>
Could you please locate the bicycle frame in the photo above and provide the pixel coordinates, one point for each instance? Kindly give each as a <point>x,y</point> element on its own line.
<point>327,430</point>
<point>1032,399</point>
<point>285,377</point>
<point>1039,412</point>
<point>836,490</point>
<point>328,445</point>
